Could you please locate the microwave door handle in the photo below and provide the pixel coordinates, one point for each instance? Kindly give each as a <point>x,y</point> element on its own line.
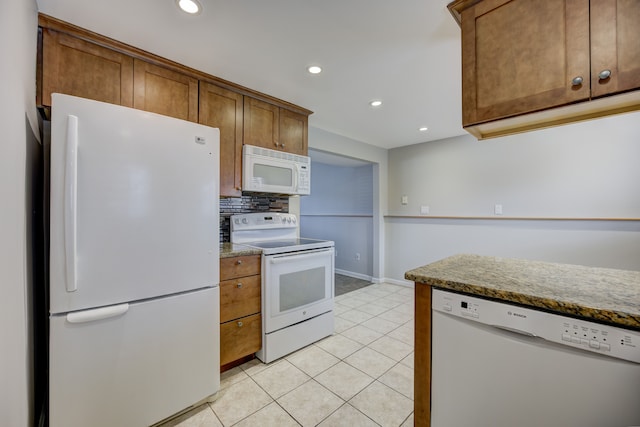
<point>295,178</point>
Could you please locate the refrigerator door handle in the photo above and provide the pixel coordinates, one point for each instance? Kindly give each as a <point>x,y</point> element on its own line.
<point>97,313</point>
<point>70,199</point>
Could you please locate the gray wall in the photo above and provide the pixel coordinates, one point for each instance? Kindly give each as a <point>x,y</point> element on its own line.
<point>555,180</point>
<point>18,29</point>
<point>340,208</point>
<point>322,140</point>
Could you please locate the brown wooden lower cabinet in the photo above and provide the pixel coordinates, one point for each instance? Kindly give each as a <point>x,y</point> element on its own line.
<point>240,309</point>
<point>240,337</point>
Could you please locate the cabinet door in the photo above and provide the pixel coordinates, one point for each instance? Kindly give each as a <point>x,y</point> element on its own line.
<point>222,108</point>
<point>240,297</point>
<point>615,46</point>
<point>164,91</point>
<point>76,67</point>
<point>261,124</point>
<point>240,266</point>
<point>293,132</point>
<point>239,338</point>
<point>520,56</point>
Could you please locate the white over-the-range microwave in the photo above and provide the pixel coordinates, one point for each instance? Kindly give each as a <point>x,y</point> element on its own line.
<point>271,171</point>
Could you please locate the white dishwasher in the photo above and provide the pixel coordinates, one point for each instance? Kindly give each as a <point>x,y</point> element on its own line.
<point>501,365</point>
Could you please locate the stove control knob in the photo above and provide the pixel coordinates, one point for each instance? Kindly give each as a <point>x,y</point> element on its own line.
<point>289,220</point>
<point>237,221</point>
<point>245,221</point>
<point>294,219</point>
<point>284,220</point>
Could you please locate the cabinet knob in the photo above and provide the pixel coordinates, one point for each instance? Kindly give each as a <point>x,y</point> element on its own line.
<point>282,145</point>
<point>239,324</point>
<point>238,188</point>
<point>577,81</point>
<point>239,285</point>
<point>239,262</point>
<point>604,74</point>
<point>276,143</point>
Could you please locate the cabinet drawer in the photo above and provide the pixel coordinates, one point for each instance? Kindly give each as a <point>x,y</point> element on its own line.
<point>239,338</point>
<point>239,297</point>
<point>240,266</point>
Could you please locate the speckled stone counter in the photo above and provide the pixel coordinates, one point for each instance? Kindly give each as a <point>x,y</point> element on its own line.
<point>228,250</point>
<point>598,294</point>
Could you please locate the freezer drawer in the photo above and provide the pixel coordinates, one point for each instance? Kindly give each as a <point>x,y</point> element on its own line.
<point>102,371</point>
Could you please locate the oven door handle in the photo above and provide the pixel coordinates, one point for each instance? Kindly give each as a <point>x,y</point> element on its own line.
<point>288,258</point>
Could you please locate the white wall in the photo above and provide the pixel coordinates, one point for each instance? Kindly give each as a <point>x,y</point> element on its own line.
<point>326,141</point>
<point>18,30</point>
<point>340,208</point>
<point>578,171</point>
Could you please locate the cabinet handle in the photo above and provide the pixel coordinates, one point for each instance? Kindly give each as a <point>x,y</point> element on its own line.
<point>239,262</point>
<point>239,324</point>
<point>239,285</point>
<point>577,81</point>
<point>604,74</point>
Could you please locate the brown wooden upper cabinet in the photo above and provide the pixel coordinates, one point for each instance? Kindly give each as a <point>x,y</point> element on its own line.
<point>522,56</point>
<point>76,67</point>
<point>223,109</point>
<point>269,126</point>
<point>164,91</point>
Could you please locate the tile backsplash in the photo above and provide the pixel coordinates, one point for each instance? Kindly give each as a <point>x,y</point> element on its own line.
<point>246,204</point>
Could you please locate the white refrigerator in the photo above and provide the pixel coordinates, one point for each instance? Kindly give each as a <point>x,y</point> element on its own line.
<point>134,269</point>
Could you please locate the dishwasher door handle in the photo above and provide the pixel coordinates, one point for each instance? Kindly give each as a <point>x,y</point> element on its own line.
<point>514,330</point>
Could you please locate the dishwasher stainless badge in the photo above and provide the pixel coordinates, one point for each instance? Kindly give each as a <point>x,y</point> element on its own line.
<point>497,364</point>
<point>297,281</point>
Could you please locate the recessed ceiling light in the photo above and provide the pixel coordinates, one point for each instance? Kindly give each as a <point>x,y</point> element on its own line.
<point>375,103</point>
<point>423,129</point>
<point>189,6</point>
<point>314,69</point>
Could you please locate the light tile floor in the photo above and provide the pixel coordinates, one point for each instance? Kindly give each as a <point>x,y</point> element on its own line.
<point>360,376</point>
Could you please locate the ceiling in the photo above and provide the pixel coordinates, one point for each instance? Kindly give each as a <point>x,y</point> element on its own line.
<point>403,52</point>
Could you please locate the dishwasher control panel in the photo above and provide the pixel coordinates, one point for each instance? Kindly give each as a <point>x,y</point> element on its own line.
<point>590,336</point>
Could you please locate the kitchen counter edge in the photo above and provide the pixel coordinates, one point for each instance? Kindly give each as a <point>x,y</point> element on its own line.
<point>597,294</point>
<point>228,250</point>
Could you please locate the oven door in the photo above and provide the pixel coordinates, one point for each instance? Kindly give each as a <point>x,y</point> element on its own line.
<point>296,287</point>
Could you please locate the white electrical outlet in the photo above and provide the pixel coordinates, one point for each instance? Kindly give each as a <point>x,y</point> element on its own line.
<point>424,210</point>
<point>498,210</point>
<point>357,256</point>
<point>404,200</point>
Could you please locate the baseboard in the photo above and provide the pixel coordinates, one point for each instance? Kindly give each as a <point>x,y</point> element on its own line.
<point>405,283</point>
<point>354,275</point>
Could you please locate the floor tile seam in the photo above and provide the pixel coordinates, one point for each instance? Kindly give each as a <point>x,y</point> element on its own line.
<point>257,410</point>
<point>347,403</point>
<point>294,366</point>
<point>324,370</point>
<point>321,385</point>
<point>398,391</point>
<point>384,385</point>
<point>287,412</point>
<point>367,374</point>
<point>373,330</point>
<point>214,413</point>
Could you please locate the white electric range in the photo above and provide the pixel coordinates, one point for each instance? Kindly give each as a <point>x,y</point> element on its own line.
<point>297,281</point>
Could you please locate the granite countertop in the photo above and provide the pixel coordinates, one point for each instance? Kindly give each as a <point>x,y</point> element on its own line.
<point>228,250</point>
<point>598,294</point>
